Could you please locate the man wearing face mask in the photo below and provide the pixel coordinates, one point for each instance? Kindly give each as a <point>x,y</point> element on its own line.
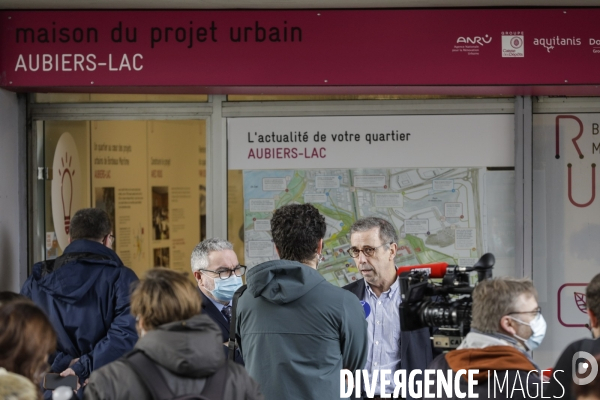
<point>218,273</point>
<point>562,382</point>
<point>506,323</point>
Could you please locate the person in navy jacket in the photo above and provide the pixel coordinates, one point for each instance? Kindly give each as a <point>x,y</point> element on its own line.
<point>218,273</point>
<point>85,294</point>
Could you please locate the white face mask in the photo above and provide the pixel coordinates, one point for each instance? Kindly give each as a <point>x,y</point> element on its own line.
<point>320,258</point>
<point>538,328</point>
<point>225,288</point>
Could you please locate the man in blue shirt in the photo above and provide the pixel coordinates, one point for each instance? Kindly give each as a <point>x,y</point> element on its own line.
<point>374,246</point>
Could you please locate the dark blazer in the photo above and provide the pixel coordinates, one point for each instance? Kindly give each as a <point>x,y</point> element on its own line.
<point>211,310</point>
<point>416,349</point>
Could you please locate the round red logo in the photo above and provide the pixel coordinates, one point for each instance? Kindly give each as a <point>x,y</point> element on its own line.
<point>516,42</point>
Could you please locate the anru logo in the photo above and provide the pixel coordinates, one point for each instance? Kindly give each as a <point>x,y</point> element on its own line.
<point>475,40</point>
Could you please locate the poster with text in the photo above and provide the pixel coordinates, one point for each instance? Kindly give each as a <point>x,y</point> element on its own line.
<point>173,180</point>
<point>119,151</point>
<point>438,206</point>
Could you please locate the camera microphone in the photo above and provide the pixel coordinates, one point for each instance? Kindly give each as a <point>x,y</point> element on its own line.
<point>436,270</point>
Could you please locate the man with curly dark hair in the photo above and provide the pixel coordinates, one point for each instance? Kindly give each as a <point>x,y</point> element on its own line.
<point>297,330</point>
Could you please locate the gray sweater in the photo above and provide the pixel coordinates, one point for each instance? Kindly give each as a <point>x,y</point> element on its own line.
<point>298,331</point>
<point>186,352</point>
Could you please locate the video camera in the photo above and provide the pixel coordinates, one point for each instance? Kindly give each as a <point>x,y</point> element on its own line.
<point>446,306</point>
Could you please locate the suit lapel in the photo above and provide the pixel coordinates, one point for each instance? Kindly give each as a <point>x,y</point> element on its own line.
<point>209,308</point>
<point>359,289</point>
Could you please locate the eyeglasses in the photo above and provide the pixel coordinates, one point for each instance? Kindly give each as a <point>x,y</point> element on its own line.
<point>534,312</point>
<point>240,270</point>
<point>368,251</point>
<point>111,236</point>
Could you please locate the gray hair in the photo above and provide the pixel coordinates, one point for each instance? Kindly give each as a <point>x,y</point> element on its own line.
<point>387,233</point>
<point>204,248</point>
<point>494,298</point>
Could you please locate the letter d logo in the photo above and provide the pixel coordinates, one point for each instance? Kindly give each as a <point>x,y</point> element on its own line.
<point>582,367</point>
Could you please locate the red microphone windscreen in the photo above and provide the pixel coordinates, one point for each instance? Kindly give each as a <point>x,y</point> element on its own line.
<point>436,270</point>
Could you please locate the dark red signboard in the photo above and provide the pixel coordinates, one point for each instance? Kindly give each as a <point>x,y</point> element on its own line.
<point>102,50</point>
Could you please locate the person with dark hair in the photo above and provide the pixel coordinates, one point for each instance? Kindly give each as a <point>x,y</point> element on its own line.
<point>26,340</point>
<point>296,330</point>
<point>374,245</point>
<point>7,297</point>
<point>85,293</point>
<point>561,382</point>
<point>180,349</point>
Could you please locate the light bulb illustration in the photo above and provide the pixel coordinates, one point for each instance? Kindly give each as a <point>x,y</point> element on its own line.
<point>66,188</point>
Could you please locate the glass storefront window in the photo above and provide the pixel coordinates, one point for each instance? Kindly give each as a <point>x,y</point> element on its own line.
<point>149,176</point>
<point>566,223</point>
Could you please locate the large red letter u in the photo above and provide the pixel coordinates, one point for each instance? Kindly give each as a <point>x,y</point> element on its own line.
<point>571,188</point>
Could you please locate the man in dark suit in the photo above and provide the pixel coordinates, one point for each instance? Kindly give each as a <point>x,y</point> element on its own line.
<point>374,246</point>
<point>218,273</point>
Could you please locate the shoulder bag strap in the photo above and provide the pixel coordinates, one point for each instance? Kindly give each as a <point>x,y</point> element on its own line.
<point>214,389</point>
<point>233,321</point>
<point>149,374</point>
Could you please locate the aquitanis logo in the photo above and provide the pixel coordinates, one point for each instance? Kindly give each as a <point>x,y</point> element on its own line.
<point>595,131</point>
<point>550,43</point>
